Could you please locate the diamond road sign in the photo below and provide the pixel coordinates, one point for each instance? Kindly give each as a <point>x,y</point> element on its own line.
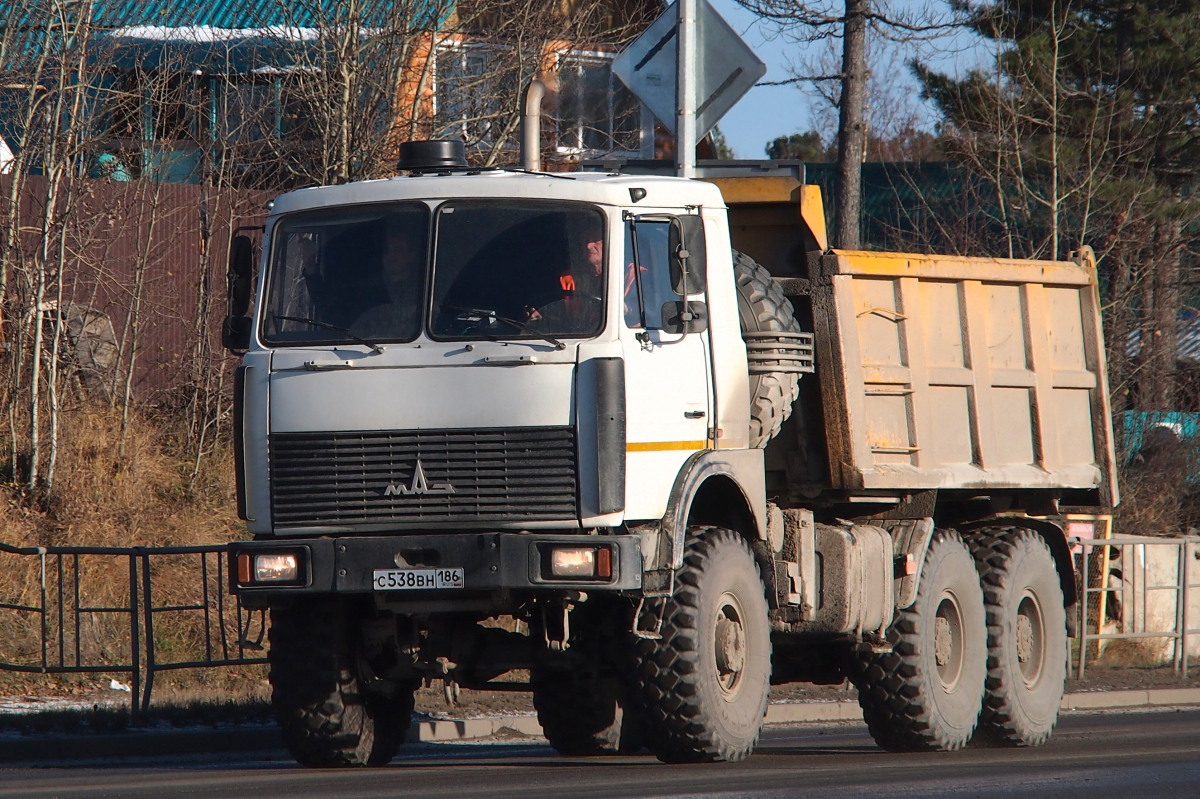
<point>727,67</point>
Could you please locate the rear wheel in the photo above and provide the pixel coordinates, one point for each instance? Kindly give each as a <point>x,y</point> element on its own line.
<point>1027,637</point>
<point>326,718</point>
<point>926,693</point>
<point>582,716</point>
<point>702,687</point>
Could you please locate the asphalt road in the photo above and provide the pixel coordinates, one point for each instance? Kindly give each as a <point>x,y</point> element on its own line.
<point>1125,754</point>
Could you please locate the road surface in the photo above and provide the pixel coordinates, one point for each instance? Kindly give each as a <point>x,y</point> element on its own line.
<point>1126,754</point>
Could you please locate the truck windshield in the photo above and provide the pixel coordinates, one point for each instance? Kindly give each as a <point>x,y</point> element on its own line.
<point>511,269</point>
<point>348,275</point>
<point>502,269</point>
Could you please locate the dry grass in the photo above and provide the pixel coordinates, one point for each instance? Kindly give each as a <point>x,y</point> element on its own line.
<point>1160,495</point>
<point>117,488</point>
<point>129,489</point>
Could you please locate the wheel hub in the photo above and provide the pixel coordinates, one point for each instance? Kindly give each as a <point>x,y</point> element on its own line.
<point>731,646</point>
<point>1030,636</point>
<point>943,645</point>
<point>948,653</point>
<point>1024,639</point>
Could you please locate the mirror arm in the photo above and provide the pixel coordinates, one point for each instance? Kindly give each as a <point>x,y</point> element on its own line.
<point>637,274</point>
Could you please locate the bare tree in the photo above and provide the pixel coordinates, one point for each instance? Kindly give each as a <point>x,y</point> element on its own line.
<point>49,59</point>
<point>852,124</point>
<point>338,86</point>
<point>854,23</point>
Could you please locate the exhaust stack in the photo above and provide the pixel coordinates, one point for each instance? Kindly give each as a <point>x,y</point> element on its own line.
<point>531,125</point>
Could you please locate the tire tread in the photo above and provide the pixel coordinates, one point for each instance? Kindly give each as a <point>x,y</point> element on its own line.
<point>326,719</point>
<point>893,691</point>
<point>1001,720</point>
<point>765,308</point>
<point>678,728</point>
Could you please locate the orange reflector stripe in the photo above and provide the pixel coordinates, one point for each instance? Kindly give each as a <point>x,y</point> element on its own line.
<point>662,446</point>
<point>604,563</point>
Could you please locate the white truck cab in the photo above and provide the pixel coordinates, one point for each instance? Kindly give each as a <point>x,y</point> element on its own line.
<point>484,340</point>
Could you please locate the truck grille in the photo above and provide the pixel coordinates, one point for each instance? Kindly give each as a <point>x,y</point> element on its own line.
<point>415,477</point>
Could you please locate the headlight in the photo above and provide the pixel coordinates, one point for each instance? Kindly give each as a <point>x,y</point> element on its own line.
<point>579,563</point>
<point>269,568</point>
<point>276,568</point>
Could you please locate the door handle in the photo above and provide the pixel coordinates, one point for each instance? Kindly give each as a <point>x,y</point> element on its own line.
<point>693,414</point>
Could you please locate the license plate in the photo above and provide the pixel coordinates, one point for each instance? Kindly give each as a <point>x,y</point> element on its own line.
<point>416,579</point>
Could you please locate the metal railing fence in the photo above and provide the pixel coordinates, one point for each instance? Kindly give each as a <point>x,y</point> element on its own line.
<point>117,610</point>
<point>105,610</point>
<point>1176,588</point>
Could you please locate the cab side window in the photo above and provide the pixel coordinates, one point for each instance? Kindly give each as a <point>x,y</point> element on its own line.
<point>647,272</point>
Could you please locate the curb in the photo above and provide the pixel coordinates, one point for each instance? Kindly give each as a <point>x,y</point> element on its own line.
<point>1156,697</point>
<point>152,743</point>
<point>443,730</point>
<point>848,709</point>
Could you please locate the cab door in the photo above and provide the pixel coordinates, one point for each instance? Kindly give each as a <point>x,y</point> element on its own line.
<point>667,360</point>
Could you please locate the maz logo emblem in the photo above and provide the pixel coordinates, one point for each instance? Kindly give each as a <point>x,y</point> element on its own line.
<point>420,485</point>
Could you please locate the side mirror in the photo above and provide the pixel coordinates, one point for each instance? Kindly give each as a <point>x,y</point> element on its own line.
<point>684,317</point>
<point>688,264</point>
<point>235,334</point>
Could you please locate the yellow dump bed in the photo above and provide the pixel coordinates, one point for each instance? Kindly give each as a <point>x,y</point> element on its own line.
<point>934,371</point>
<point>949,372</point>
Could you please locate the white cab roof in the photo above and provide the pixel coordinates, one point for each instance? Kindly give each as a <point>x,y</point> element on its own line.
<point>591,187</point>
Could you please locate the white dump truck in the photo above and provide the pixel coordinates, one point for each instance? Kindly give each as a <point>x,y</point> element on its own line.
<point>645,446</point>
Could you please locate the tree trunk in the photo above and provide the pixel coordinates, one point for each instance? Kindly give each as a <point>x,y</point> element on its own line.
<point>1161,303</point>
<point>852,128</point>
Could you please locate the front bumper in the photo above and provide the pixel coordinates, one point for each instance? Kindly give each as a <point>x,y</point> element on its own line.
<point>490,562</point>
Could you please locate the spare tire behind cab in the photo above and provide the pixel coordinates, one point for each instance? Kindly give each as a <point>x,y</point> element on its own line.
<point>777,350</point>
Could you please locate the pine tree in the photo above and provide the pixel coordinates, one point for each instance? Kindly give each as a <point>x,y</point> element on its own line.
<point>1087,131</point>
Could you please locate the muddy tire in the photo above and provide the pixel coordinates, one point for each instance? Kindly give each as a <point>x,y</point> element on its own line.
<point>701,688</point>
<point>582,717</point>
<point>926,694</point>
<point>1027,637</point>
<point>326,718</point>
<point>763,308</point>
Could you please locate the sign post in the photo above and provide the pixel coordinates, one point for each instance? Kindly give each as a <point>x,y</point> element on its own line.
<point>685,110</point>
<point>689,67</point>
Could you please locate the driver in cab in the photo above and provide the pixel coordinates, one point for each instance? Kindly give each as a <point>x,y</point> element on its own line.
<point>579,308</point>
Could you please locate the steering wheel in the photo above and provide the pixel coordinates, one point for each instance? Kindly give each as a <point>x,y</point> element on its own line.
<point>574,314</point>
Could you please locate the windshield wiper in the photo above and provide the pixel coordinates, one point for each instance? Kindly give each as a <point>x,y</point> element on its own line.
<point>522,327</point>
<point>344,331</point>
<point>520,170</point>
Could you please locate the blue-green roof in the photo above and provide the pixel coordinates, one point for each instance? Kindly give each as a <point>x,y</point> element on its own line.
<point>177,14</point>
<point>179,35</point>
<point>232,14</point>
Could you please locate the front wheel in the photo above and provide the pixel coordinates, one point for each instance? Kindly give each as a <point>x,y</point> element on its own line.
<point>326,718</point>
<point>583,716</point>
<point>926,693</point>
<point>1027,637</point>
<point>702,687</point>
